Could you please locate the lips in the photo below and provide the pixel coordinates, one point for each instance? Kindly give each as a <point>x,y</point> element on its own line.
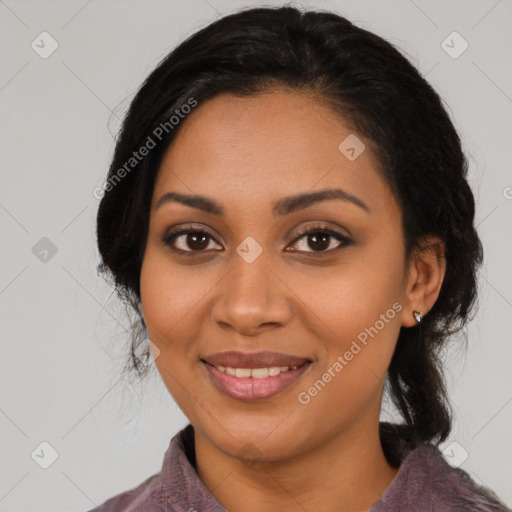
<point>235,359</point>
<point>254,376</point>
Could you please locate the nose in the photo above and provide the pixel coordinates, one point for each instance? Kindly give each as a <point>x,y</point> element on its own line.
<point>252,298</point>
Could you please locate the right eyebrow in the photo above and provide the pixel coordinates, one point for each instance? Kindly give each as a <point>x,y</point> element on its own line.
<point>283,206</point>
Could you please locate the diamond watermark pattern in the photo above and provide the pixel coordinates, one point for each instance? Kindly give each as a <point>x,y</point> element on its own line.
<point>44,455</point>
<point>249,453</point>
<point>143,356</point>
<point>44,250</point>
<point>44,45</point>
<point>454,45</point>
<point>249,249</point>
<point>455,454</point>
<point>351,147</point>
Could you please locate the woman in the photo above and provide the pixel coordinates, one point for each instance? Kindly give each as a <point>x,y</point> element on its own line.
<point>287,211</point>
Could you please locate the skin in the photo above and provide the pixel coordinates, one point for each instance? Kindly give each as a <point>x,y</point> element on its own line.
<point>278,453</point>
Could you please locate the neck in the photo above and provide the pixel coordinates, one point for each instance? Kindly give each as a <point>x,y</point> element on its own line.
<point>348,472</point>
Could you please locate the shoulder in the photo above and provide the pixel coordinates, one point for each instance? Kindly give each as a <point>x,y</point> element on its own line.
<point>425,482</point>
<point>146,496</point>
<point>172,486</point>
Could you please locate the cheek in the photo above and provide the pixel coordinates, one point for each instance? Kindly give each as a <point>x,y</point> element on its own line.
<point>359,326</point>
<point>172,299</point>
<point>363,325</point>
<point>166,306</point>
<point>355,296</point>
<point>359,307</point>
<point>168,294</point>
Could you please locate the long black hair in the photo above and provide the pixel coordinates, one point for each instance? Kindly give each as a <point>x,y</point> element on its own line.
<point>375,90</point>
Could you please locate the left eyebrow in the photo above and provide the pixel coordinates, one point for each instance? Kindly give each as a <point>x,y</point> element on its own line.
<point>288,205</point>
<point>283,206</point>
<point>194,201</point>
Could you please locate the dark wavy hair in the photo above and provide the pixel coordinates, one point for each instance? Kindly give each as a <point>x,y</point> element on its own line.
<point>378,93</point>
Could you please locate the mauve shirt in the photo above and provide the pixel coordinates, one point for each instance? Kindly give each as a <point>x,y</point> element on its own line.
<point>425,482</point>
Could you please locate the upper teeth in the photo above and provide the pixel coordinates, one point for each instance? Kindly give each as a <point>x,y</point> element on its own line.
<point>257,373</point>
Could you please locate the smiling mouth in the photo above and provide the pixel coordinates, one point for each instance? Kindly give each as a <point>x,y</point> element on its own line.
<point>254,384</point>
<point>255,373</point>
<point>264,359</point>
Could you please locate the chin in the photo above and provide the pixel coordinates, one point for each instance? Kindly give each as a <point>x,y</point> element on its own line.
<point>256,441</point>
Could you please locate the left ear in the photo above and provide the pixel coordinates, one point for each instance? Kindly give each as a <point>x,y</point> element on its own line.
<point>426,270</point>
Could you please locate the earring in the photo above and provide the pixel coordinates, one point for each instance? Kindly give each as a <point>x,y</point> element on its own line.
<point>417,316</point>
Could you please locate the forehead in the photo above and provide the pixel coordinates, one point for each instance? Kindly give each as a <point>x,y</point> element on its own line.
<point>263,147</point>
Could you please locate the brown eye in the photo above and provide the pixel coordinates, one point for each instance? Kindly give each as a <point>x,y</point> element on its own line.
<point>188,241</point>
<point>321,240</point>
<point>318,239</point>
<point>196,241</point>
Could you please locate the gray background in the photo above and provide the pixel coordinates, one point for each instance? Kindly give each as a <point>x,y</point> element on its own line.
<point>63,332</point>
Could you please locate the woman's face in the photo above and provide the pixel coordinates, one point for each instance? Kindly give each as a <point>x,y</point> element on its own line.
<point>253,282</point>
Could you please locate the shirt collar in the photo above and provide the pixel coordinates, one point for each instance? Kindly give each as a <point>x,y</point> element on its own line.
<point>181,484</point>
<point>184,491</point>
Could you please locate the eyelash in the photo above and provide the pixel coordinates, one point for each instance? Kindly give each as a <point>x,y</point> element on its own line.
<point>168,237</point>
